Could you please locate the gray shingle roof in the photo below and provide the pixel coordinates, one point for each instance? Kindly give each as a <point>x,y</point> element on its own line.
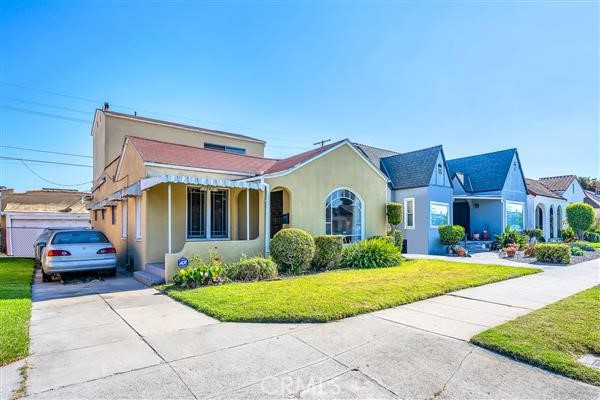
<point>374,154</point>
<point>410,170</point>
<point>483,172</point>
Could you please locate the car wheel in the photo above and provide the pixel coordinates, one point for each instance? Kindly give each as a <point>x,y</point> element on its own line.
<point>46,277</point>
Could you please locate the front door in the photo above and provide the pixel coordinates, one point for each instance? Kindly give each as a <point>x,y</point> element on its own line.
<point>276,212</point>
<point>462,216</point>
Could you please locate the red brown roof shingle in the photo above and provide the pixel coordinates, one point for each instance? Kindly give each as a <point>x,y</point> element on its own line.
<point>537,188</point>
<point>558,183</point>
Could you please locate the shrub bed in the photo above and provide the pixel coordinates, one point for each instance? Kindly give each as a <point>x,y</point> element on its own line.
<point>553,253</point>
<point>293,250</point>
<point>592,237</point>
<point>372,253</point>
<point>585,246</point>
<point>328,252</point>
<point>251,269</point>
<point>201,272</point>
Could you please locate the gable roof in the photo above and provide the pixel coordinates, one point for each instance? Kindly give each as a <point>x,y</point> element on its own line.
<point>157,151</point>
<point>374,154</point>
<point>592,198</point>
<point>537,188</point>
<point>412,169</point>
<point>484,172</point>
<point>558,184</point>
<point>176,125</point>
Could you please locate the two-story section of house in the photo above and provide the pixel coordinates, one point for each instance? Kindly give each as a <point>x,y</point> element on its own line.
<point>489,193</point>
<point>165,192</point>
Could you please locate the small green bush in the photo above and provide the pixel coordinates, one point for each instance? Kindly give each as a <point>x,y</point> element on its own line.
<point>328,252</point>
<point>576,251</point>
<point>534,233</point>
<point>585,246</point>
<point>567,234</point>
<point>451,234</point>
<point>552,253</point>
<point>371,253</point>
<point>292,249</point>
<point>592,237</point>
<point>200,272</point>
<point>399,240</point>
<point>581,217</point>
<point>251,269</point>
<point>510,236</point>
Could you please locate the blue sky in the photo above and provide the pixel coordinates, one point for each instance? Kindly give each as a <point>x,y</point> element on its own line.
<point>474,77</point>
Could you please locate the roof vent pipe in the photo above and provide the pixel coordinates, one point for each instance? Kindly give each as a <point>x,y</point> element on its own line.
<point>106,106</point>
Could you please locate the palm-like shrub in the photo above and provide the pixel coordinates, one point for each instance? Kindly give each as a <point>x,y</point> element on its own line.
<point>372,253</point>
<point>292,249</point>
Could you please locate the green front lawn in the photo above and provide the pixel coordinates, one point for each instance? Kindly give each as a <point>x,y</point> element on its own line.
<point>338,294</point>
<point>553,337</point>
<point>16,275</point>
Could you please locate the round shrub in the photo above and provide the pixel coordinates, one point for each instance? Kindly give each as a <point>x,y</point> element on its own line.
<point>251,269</point>
<point>552,253</point>
<point>328,251</point>
<point>451,234</point>
<point>293,250</point>
<point>581,217</point>
<point>592,237</point>
<point>393,212</point>
<point>372,253</point>
<point>576,251</point>
<point>534,233</point>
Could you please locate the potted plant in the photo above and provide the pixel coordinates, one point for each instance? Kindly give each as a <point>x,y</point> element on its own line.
<point>476,236</point>
<point>450,235</point>
<point>511,250</point>
<point>460,251</point>
<point>485,235</point>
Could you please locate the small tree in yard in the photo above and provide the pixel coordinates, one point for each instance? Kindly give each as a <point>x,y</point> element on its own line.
<point>451,234</point>
<point>394,215</point>
<point>581,217</point>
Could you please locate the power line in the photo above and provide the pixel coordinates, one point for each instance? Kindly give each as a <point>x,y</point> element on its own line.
<point>47,105</point>
<point>44,161</point>
<point>46,151</point>
<point>52,182</point>
<point>28,111</point>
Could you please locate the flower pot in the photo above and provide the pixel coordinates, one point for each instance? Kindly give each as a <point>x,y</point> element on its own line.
<point>476,236</point>
<point>485,235</point>
<point>511,251</point>
<point>460,252</point>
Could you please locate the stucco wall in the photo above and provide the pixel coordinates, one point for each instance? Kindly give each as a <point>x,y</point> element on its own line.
<point>417,239</point>
<point>574,194</point>
<point>545,203</point>
<point>310,185</point>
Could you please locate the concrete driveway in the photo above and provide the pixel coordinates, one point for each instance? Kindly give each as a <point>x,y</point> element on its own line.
<point>118,339</point>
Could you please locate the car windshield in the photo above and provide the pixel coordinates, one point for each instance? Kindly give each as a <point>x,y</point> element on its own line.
<point>75,237</point>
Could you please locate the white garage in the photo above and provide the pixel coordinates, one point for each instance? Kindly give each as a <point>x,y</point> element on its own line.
<point>22,228</point>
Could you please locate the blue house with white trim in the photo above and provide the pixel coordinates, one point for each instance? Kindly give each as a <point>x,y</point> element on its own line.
<point>490,192</point>
<point>419,180</point>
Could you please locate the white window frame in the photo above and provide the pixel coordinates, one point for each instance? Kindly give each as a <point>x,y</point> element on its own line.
<point>124,205</point>
<point>439,203</point>
<point>506,203</point>
<point>362,211</point>
<point>138,218</point>
<point>208,219</point>
<point>414,224</point>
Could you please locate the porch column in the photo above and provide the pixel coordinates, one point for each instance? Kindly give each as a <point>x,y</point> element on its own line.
<point>169,216</point>
<point>247,214</point>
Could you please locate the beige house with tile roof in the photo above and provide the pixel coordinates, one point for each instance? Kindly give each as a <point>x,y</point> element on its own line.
<point>164,192</point>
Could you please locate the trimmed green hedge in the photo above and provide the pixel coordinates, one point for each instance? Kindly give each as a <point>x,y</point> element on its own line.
<point>251,269</point>
<point>451,234</point>
<point>553,253</point>
<point>328,252</point>
<point>292,249</point>
<point>376,252</point>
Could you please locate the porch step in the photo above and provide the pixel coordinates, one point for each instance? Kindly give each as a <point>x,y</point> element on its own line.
<point>478,246</point>
<point>148,278</point>
<point>155,268</point>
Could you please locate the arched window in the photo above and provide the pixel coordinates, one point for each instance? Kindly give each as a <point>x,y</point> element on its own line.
<point>558,220</point>
<point>551,222</point>
<point>344,215</point>
<point>539,218</point>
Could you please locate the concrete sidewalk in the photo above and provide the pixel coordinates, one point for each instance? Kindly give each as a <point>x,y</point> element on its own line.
<point>117,339</point>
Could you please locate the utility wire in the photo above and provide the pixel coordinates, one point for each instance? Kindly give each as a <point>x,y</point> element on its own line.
<point>45,151</point>
<point>27,111</point>
<point>49,181</point>
<point>44,161</point>
<point>46,105</point>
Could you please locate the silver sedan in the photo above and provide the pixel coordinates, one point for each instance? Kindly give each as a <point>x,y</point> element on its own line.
<point>78,250</point>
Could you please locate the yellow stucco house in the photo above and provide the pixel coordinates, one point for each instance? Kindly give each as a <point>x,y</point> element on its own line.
<point>163,191</point>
